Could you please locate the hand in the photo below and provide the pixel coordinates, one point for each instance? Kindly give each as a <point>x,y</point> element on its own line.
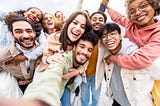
<point>108,59</point>
<point>58,57</point>
<point>15,60</point>
<point>72,72</point>
<point>24,82</point>
<point>106,2</point>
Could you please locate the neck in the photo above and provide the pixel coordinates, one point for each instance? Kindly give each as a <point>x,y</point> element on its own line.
<point>50,31</point>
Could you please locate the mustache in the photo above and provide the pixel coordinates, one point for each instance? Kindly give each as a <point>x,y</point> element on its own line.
<point>29,39</point>
<point>84,55</point>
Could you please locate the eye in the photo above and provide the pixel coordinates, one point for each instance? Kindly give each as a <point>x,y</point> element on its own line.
<point>143,6</point>
<point>132,11</point>
<point>29,31</point>
<point>83,26</point>
<point>90,50</point>
<point>101,19</point>
<point>18,32</point>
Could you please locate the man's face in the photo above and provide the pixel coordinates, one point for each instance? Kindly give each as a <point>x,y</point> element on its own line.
<point>61,16</point>
<point>111,40</point>
<point>97,21</point>
<point>82,52</point>
<point>23,34</point>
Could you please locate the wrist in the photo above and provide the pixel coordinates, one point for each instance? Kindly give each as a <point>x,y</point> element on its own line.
<point>47,60</point>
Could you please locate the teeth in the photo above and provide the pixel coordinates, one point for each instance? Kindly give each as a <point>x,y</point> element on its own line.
<point>75,33</point>
<point>142,17</point>
<point>82,56</point>
<point>110,43</point>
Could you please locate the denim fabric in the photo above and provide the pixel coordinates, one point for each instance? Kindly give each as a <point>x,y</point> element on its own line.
<point>89,89</point>
<point>65,99</point>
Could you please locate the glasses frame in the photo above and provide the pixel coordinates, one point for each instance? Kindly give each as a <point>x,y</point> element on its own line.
<point>112,34</point>
<point>141,7</point>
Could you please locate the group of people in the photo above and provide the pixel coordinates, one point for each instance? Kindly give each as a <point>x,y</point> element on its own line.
<point>46,57</point>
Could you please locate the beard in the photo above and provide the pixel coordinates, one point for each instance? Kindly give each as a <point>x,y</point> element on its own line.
<point>26,43</point>
<point>81,62</point>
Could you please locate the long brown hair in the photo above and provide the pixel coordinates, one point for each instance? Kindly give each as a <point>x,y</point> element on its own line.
<point>64,39</point>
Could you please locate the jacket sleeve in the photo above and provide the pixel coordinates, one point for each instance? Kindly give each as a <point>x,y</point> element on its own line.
<point>143,57</point>
<point>118,18</point>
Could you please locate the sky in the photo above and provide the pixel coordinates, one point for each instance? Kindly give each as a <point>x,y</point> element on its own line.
<point>66,6</point>
<point>51,6</point>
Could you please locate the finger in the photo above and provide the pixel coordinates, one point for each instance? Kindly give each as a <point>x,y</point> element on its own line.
<point>65,77</point>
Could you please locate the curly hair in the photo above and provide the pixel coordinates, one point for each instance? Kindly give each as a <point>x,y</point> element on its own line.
<point>155,4</point>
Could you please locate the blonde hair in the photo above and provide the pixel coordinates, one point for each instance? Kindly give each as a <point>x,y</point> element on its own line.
<point>57,24</point>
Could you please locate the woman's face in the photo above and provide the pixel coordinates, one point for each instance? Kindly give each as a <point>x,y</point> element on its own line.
<point>33,15</point>
<point>48,21</point>
<point>76,28</point>
<point>141,12</point>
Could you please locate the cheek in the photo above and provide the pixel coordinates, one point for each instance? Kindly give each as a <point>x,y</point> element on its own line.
<point>82,31</point>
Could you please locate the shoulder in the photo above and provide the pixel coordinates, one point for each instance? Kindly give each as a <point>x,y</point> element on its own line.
<point>54,36</point>
<point>127,46</point>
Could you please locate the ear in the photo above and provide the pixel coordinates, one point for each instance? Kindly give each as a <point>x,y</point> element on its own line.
<point>121,37</point>
<point>11,33</point>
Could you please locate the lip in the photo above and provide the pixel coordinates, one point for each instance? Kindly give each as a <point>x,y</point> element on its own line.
<point>75,33</point>
<point>31,18</point>
<point>82,57</point>
<point>142,17</point>
<point>110,44</point>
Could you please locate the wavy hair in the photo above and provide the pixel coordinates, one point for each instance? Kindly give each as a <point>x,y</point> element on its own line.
<point>64,39</point>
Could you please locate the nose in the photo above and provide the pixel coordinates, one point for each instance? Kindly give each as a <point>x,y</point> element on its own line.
<point>34,16</point>
<point>108,37</point>
<point>78,27</point>
<point>25,34</point>
<point>86,52</point>
<point>138,12</point>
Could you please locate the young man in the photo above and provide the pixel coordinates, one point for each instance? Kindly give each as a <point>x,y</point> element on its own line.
<point>49,85</point>
<point>13,74</point>
<point>125,87</point>
<point>88,88</point>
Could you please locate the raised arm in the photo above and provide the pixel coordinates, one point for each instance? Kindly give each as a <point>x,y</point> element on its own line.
<point>79,5</point>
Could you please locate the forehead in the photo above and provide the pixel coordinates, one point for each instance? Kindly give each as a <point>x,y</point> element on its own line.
<point>48,15</point>
<point>97,15</point>
<point>21,25</point>
<point>36,10</point>
<point>80,17</point>
<point>87,44</point>
<point>59,13</point>
<point>133,3</point>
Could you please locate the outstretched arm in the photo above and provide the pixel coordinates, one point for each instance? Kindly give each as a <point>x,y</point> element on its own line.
<point>79,5</point>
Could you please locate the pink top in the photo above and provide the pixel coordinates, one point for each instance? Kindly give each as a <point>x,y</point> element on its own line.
<point>147,38</point>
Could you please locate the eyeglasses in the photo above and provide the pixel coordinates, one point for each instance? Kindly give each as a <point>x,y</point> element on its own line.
<point>141,7</point>
<point>112,34</point>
